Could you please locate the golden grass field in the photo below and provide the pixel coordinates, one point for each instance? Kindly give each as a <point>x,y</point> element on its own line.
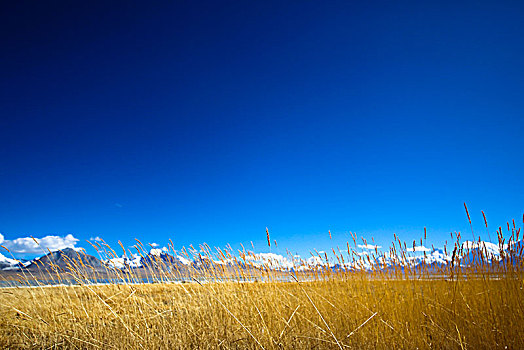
<point>463,306</point>
<point>354,313</point>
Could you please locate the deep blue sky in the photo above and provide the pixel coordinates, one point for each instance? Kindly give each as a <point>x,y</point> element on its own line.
<point>207,122</point>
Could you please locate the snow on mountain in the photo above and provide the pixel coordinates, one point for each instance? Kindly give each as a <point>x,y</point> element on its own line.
<point>124,261</point>
<point>437,256</point>
<point>8,263</point>
<point>270,260</point>
<point>183,260</point>
<point>491,248</point>
<point>414,257</point>
<point>364,260</point>
<point>6,260</point>
<point>315,261</point>
<point>154,257</point>
<point>158,252</point>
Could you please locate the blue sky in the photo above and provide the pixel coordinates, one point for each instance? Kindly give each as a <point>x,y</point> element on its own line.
<point>208,122</point>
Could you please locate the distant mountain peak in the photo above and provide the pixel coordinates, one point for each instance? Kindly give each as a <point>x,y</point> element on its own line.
<point>66,259</point>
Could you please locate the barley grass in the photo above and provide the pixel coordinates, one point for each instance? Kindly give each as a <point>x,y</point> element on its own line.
<point>471,303</point>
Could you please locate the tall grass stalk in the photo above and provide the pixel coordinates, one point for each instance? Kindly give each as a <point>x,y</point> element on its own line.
<point>227,300</point>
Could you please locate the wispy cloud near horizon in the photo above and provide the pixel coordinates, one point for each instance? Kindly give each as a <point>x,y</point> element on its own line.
<point>369,246</point>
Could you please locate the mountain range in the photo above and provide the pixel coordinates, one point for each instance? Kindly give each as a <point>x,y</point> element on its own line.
<point>69,258</point>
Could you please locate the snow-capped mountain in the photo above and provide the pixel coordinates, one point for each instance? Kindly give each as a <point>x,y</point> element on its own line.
<point>8,263</point>
<point>133,262</point>
<point>155,258</point>
<point>491,249</point>
<point>367,259</point>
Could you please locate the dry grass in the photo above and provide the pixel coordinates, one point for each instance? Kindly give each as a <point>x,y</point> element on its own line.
<point>400,314</point>
<point>474,305</point>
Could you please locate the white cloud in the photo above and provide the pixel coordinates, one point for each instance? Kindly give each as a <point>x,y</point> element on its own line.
<point>97,239</point>
<point>154,245</point>
<point>420,248</point>
<point>369,246</point>
<point>1,238</point>
<point>28,245</point>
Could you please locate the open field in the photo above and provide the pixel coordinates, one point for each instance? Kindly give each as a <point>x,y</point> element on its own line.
<point>474,302</point>
<point>350,313</point>
<point>472,298</point>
